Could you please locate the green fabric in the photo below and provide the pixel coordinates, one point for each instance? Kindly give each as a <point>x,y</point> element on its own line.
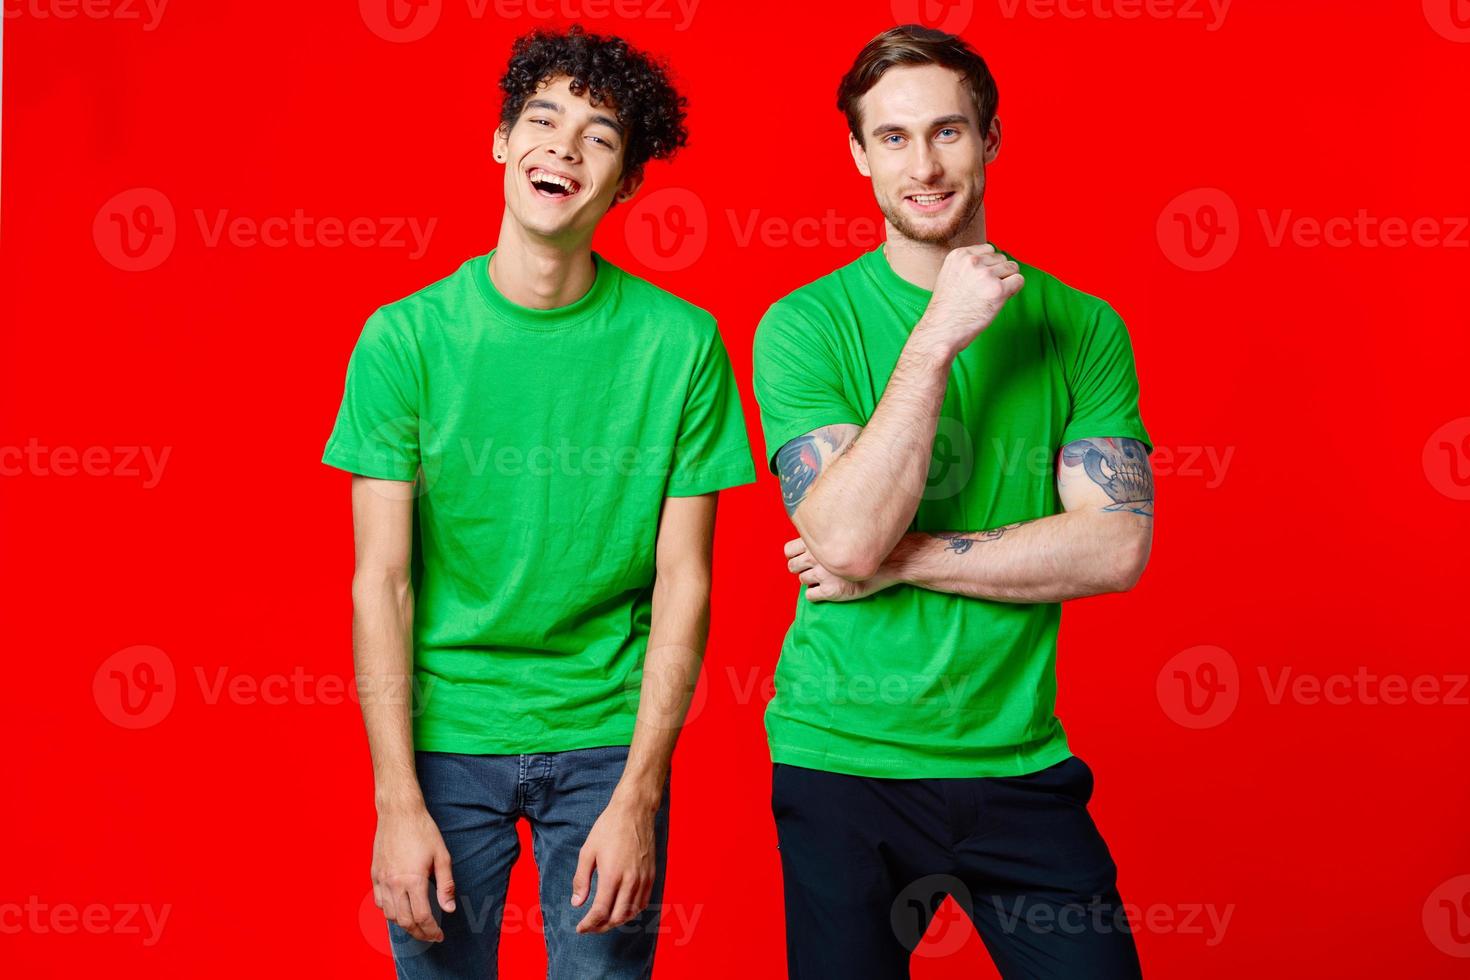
<point>910,682</point>
<point>547,440</point>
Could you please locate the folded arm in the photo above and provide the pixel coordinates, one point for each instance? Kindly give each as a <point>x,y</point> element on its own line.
<point>1099,543</point>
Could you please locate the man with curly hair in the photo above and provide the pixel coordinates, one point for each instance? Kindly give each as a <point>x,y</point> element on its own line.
<point>537,442</point>
<point>960,449</point>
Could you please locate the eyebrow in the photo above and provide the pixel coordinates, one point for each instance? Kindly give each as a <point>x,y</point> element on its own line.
<point>550,106</point>
<point>949,120</point>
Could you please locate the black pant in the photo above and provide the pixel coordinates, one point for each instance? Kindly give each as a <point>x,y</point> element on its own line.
<point>866,862</point>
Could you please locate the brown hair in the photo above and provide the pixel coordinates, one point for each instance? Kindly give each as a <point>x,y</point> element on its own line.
<point>911,44</point>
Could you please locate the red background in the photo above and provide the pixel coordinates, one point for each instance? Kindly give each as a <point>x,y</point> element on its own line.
<point>1333,543</point>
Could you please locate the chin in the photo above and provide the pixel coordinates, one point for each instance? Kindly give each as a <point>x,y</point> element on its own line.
<point>936,232</point>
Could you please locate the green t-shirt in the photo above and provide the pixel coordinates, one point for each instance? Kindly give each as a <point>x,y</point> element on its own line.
<point>547,441</point>
<point>908,682</point>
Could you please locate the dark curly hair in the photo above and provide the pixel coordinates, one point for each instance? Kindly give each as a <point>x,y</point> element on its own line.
<point>632,84</point>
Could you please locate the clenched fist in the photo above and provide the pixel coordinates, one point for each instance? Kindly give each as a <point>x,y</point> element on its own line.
<point>973,285</point>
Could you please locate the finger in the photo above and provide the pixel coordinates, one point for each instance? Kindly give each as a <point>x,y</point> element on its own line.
<point>445,879</point>
<point>816,594</point>
<point>801,563</point>
<point>1012,284</point>
<point>402,912</point>
<point>582,879</point>
<point>645,896</point>
<point>626,905</point>
<point>794,547</point>
<point>424,926</point>
<point>596,919</point>
<point>810,577</point>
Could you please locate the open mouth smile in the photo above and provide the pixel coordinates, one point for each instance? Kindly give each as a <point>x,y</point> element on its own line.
<point>928,202</point>
<point>549,183</point>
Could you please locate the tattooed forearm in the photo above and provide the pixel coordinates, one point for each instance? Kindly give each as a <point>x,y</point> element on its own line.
<point>1120,467</point>
<point>800,462</point>
<point>962,541</point>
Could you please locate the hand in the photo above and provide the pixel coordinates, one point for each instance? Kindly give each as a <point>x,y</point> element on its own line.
<point>407,848</point>
<point>973,285</point>
<point>621,849</point>
<point>825,586</point>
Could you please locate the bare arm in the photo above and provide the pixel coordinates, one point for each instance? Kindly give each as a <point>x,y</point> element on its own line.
<point>407,847</point>
<point>1100,543</point>
<point>620,845</point>
<point>851,497</point>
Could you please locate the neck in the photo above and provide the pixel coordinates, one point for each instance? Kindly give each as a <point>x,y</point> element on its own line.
<point>537,273</point>
<point>919,262</point>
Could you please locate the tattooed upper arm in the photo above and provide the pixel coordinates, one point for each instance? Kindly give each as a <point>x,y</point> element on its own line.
<point>1111,474</point>
<point>801,461</point>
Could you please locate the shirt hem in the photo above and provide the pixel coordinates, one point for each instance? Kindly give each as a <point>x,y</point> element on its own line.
<point>923,768</point>
<point>493,745</point>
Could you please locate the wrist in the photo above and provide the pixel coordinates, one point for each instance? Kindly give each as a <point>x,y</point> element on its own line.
<point>399,801</point>
<point>932,343</point>
<point>640,794</point>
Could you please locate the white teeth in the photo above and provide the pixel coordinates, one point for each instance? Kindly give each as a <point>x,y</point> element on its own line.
<point>927,198</point>
<point>547,176</point>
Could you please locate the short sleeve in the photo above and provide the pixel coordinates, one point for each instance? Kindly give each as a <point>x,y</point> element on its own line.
<point>1104,384</point>
<point>377,428</point>
<point>798,383</point>
<point>713,449</point>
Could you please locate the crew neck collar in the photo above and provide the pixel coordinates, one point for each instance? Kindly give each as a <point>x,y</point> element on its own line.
<point>555,318</point>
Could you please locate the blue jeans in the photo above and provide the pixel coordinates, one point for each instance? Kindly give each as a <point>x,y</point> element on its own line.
<point>476,801</point>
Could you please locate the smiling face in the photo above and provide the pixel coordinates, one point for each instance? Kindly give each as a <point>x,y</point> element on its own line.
<point>925,152</point>
<point>563,161</point>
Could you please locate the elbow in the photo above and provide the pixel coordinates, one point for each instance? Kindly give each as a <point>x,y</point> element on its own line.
<point>371,583</point>
<point>854,560</point>
<point>1129,561</point>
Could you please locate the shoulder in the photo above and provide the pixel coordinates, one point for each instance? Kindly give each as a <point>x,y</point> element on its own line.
<point>404,321</point>
<point>675,318</point>
<point>807,312</point>
<point>1069,311</point>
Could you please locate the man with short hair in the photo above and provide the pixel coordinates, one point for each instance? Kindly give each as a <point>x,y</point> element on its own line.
<point>959,446</point>
<point>538,441</point>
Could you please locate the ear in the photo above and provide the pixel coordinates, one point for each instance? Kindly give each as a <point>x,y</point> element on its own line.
<point>992,141</point>
<point>627,187</point>
<point>859,155</point>
<point>501,144</point>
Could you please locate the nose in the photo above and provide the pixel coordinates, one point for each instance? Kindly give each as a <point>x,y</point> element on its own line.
<point>562,146</point>
<point>925,165</point>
